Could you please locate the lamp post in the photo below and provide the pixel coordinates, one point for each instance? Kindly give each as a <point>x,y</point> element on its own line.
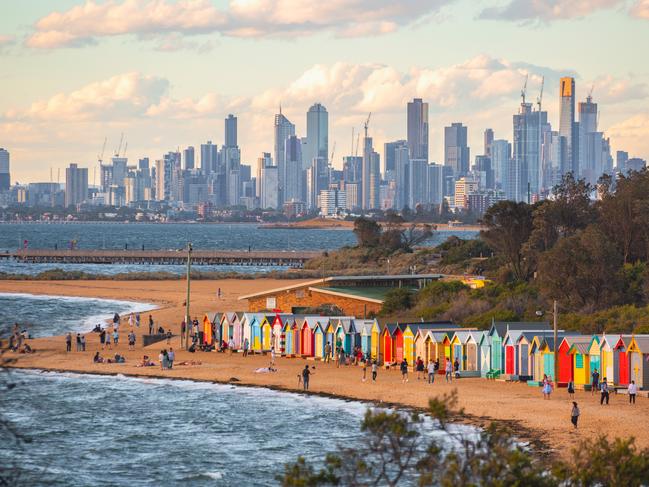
<point>555,329</point>
<point>187,318</point>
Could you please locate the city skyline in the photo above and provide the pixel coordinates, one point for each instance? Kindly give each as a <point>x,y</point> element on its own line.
<point>60,101</point>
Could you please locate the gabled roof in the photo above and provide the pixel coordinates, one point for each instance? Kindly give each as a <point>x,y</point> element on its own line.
<point>642,342</point>
<point>347,323</point>
<point>580,347</point>
<point>502,327</point>
<point>610,340</point>
<point>477,335</point>
<point>462,336</point>
<point>438,336</point>
<point>573,339</point>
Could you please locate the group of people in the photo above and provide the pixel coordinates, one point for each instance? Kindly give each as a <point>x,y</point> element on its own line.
<point>18,340</point>
<point>167,358</point>
<point>451,370</point>
<point>117,359</point>
<point>80,342</point>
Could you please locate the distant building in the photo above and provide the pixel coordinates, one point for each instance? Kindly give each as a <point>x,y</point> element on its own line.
<point>209,158</point>
<point>567,127</point>
<point>456,149</point>
<point>294,183</point>
<point>188,156</point>
<point>231,131</point>
<point>268,181</point>
<point>317,135</point>
<point>463,187</point>
<point>621,160</point>
<point>389,154</point>
<point>501,153</point>
<point>5,176</point>
<point>418,129</point>
<point>283,129</point>
<point>333,202</point>
<point>76,185</point>
<point>293,209</point>
<point>488,140</point>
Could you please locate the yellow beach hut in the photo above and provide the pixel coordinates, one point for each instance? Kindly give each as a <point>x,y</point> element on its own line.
<point>581,363</point>
<point>639,361</point>
<point>606,353</point>
<point>409,345</point>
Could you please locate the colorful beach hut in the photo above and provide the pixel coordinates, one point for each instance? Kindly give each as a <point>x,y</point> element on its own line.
<point>441,347</point>
<point>319,340</point>
<point>484,348</point>
<point>566,358</point>
<point>386,344</point>
<point>639,361</point>
<point>306,325</point>
<point>409,344</point>
<point>525,365</point>
<point>346,333</point>
<point>472,350</point>
<point>594,356</point>
<point>458,348</point>
<point>288,330</point>
<point>421,344</point>
<point>607,357</point>
<point>581,362</point>
<point>621,358</point>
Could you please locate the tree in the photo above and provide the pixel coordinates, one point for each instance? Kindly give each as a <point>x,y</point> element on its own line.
<point>367,231</point>
<point>397,300</point>
<point>509,225</point>
<point>416,235</point>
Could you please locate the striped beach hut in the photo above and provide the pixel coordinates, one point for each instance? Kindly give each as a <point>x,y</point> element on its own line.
<point>639,360</point>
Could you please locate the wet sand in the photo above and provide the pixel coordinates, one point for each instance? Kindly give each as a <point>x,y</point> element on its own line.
<point>544,423</point>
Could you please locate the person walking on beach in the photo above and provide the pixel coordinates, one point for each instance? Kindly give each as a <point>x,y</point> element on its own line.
<point>131,341</point>
<point>603,387</point>
<point>364,365</point>
<point>68,342</point>
<point>272,356</point>
<point>547,388</point>
<point>449,370</point>
<point>594,384</point>
<point>404,371</point>
<point>163,359</point>
<point>431,372</point>
<point>171,356</point>
<point>131,320</point>
<point>83,343</point>
<point>375,370</point>
<point>574,414</point>
<point>150,325</point>
<point>245,347</point>
<point>632,390</point>
<point>108,341</point>
<point>137,320</point>
<point>420,368</point>
<point>102,338</point>
<point>305,377</point>
<point>571,389</point>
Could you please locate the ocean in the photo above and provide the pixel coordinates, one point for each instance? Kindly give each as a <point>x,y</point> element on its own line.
<point>55,315</point>
<point>96,430</point>
<point>169,236</point>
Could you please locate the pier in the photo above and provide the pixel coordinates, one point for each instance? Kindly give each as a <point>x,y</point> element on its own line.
<point>270,258</point>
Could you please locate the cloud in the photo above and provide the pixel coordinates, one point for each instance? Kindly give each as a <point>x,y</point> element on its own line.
<point>86,23</point>
<point>641,9</point>
<point>6,42</point>
<point>547,10</point>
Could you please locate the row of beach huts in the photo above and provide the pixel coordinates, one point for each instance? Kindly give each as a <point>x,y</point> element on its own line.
<point>519,351</point>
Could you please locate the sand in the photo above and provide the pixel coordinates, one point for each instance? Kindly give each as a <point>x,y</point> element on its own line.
<point>544,423</point>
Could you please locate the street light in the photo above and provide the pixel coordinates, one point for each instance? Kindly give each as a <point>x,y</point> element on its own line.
<point>556,338</point>
<point>187,320</point>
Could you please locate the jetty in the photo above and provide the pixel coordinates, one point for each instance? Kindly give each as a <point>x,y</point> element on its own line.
<point>270,258</point>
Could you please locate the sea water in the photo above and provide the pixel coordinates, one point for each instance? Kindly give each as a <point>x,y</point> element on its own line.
<point>96,430</point>
<point>56,315</point>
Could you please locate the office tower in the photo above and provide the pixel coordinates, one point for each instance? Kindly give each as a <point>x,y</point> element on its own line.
<point>463,188</point>
<point>245,172</point>
<point>449,181</point>
<point>418,183</point>
<point>283,129</point>
<point>418,129</point>
<point>483,168</point>
<point>120,170</point>
<point>567,124</point>
<point>188,156</point>
<point>229,165</point>
<point>501,153</point>
<point>389,155</point>
<point>401,177</point>
<point>317,135</point>
<point>553,149</point>
<point>267,182</point>
<point>76,185</point>
<point>332,202</point>
<point>317,180</point>
<point>352,169</point>
<point>525,172</point>
<point>5,178</point>
<point>375,181</point>
<point>295,175</point>
<point>352,191</point>
<point>488,140</point>
<point>590,145</point>
<point>368,191</point>
<point>231,131</point>
<point>209,158</point>
<point>456,149</point>
<point>621,157</point>
<point>435,183</point>
<point>164,176</point>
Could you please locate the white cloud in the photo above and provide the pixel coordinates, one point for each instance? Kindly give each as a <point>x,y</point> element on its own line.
<point>641,9</point>
<point>84,24</point>
<point>6,41</point>
<point>547,10</point>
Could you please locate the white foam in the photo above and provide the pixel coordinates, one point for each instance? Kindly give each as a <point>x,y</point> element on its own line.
<point>214,475</point>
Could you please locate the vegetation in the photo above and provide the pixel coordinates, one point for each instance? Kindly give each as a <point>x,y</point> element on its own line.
<point>393,452</point>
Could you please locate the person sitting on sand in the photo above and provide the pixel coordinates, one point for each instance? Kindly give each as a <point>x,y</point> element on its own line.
<point>263,370</point>
<point>27,349</point>
<point>97,359</point>
<point>119,359</point>
<point>161,331</point>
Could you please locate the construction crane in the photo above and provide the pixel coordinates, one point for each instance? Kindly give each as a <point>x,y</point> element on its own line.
<point>100,157</point>
<point>358,143</point>
<point>125,147</point>
<point>539,100</point>
<point>119,147</point>
<point>524,90</point>
<point>352,152</point>
<point>590,93</point>
<point>367,124</point>
<point>333,151</point>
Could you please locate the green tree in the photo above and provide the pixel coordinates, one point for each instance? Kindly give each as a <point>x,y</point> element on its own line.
<point>367,231</point>
<point>509,225</point>
<point>397,300</point>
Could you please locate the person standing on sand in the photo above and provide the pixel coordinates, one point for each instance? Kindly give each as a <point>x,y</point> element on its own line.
<point>571,389</point>
<point>68,342</point>
<point>102,338</point>
<point>404,371</point>
<point>162,359</point>
<point>137,320</point>
<point>632,390</point>
<point>419,367</point>
<point>375,369</point>
<point>131,320</point>
<point>574,414</point>
<point>594,384</point>
<point>547,388</point>
<point>108,341</point>
<point>78,342</point>
<point>115,337</point>
<point>83,343</point>
<point>431,372</point>
<point>171,356</point>
<point>231,345</point>
<point>449,370</point>
<point>150,325</point>
<point>603,387</point>
<point>245,347</point>
<point>169,335</point>
<point>305,377</point>
<point>327,352</point>
<point>364,371</point>
<point>131,341</point>
<point>272,356</point>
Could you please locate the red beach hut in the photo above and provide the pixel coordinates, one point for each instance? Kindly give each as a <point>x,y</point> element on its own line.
<point>387,344</point>
<point>397,338</point>
<point>622,360</point>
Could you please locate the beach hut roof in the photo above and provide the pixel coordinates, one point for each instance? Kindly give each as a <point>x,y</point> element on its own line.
<point>313,321</point>
<point>462,336</point>
<point>438,336</point>
<point>502,327</point>
<point>215,316</point>
<point>642,341</point>
<point>573,339</point>
<point>580,347</point>
<point>477,335</point>
<point>347,324</point>
<point>610,339</point>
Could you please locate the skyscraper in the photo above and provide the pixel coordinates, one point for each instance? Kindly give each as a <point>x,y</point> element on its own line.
<point>5,178</point>
<point>525,175</point>
<point>231,131</point>
<point>283,129</point>
<point>456,149</point>
<point>401,177</point>
<point>501,153</point>
<point>295,176</point>
<point>621,159</point>
<point>317,135</point>
<point>488,140</point>
<point>418,183</point>
<point>418,129</point>
<point>370,181</point>
<point>567,123</point>
<point>209,158</point>
<point>590,142</point>
<point>188,156</point>
<point>389,156</point>
<point>76,185</point>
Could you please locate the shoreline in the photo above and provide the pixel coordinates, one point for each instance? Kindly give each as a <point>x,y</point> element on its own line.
<point>545,424</point>
<point>529,437</point>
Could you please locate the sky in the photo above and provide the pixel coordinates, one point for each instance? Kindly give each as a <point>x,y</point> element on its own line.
<point>165,73</point>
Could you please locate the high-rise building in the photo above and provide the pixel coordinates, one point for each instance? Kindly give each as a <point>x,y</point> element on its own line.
<point>165,167</point>
<point>418,183</point>
<point>5,177</point>
<point>120,170</point>
<point>482,167</point>
<point>283,129</point>
<point>621,158</point>
<point>456,149</point>
<point>370,180</point>
<point>332,202</point>
<point>463,188</point>
<point>76,185</point>
<point>435,183</point>
<point>209,158</point>
<point>488,140</point>
<point>317,179</point>
<point>389,155</point>
<point>188,156</point>
<point>294,174</point>
<point>526,174</point>
<point>317,135</point>
<point>375,180</point>
<point>352,169</point>
<point>501,153</point>
<point>401,177</point>
<point>567,124</point>
<point>418,129</point>
<point>231,131</point>
<point>590,144</point>
<point>268,176</point>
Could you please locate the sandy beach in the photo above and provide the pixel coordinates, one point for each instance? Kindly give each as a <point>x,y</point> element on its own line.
<point>545,423</point>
